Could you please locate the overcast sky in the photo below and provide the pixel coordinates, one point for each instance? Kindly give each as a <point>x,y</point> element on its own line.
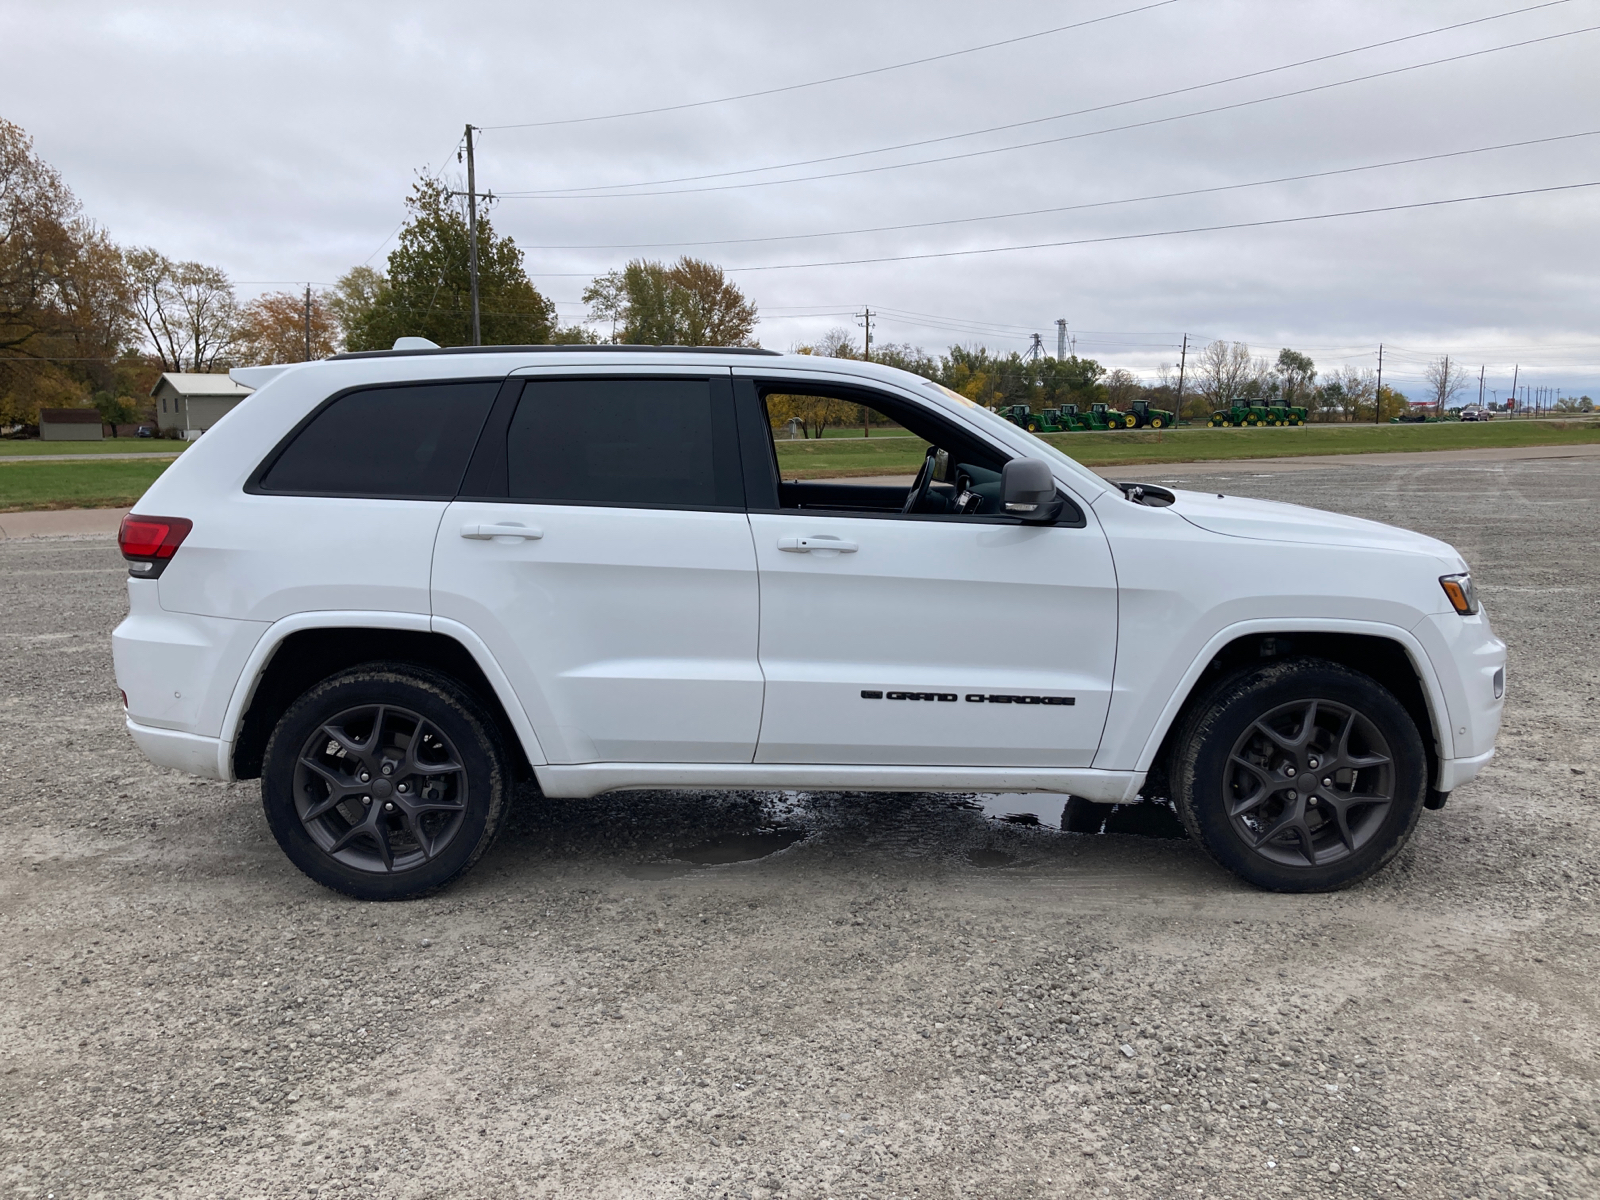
<point>279,142</point>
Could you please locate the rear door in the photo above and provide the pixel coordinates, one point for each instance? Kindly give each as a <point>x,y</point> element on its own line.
<point>600,548</point>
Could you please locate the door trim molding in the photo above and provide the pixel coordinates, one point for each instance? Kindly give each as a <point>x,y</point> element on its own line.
<point>591,779</point>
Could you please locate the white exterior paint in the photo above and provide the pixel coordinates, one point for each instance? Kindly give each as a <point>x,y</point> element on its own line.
<point>637,647</point>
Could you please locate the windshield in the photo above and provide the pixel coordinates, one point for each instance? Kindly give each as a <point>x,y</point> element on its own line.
<point>988,416</point>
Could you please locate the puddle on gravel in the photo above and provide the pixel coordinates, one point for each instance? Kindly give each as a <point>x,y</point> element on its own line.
<point>991,858</point>
<point>729,848</point>
<point>1051,811</point>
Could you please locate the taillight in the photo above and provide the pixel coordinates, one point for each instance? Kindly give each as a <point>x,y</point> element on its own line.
<point>148,543</point>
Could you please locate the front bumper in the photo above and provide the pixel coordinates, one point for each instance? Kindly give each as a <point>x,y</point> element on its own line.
<point>1470,664</point>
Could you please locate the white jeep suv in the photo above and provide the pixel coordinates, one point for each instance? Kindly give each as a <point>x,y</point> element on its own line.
<point>390,584</point>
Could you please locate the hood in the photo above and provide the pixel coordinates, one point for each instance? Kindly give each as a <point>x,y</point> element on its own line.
<point>1270,521</point>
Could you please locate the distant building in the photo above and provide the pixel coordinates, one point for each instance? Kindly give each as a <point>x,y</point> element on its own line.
<point>189,403</point>
<point>69,425</point>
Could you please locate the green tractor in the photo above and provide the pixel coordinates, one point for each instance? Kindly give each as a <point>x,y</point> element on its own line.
<point>1072,420</point>
<point>1100,416</point>
<point>1017,414</point>
<point>1240,415</point>
<point>1152,418</point>
<point>1051,421</point>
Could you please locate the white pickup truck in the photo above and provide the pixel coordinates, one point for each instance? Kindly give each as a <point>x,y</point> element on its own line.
<point>391,584</point>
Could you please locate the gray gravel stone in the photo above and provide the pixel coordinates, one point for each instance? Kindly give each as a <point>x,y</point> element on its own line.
<point>866,1013</point>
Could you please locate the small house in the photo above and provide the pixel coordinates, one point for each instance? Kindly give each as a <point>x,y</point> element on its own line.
<point>69,425</point>
<point>188,403</point>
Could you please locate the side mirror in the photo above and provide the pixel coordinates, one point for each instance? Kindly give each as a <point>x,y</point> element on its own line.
<point>1028,491</point>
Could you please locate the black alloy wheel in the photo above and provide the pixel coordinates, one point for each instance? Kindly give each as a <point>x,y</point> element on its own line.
<point>385,782</point>
<point>1300,776</point>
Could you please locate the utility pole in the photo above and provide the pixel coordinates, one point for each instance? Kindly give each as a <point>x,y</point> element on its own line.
<point>472,236</point>
<point>308,322</point>
<point>1444,386</point>
<point>1480,385</point>
<point>1183,361</point>
<point>1061,338</point>
<point>1514,371</point>
<point>866,353</point>
<point>1377,396</point>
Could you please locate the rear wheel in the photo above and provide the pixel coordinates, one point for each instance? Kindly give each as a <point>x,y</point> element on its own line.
<point>1303,776</point>
<point>385,782</point>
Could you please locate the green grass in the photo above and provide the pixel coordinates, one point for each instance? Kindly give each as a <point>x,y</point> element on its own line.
<point>30,486</point>
<point>898,456</point>
<point>33,447</point>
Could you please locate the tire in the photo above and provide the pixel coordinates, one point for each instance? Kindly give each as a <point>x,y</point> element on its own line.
<point>359,808</point>
<point>1232,790</point>
<point>1156,423</point>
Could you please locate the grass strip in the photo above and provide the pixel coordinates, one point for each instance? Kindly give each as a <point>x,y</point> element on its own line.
<point>41,485</point>
<point>34,448</point>
<point>843,458</point>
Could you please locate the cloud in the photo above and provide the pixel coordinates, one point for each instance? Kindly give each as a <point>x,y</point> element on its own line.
<point>280,144</point>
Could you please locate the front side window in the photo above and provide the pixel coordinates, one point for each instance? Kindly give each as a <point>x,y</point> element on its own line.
<point>410,442</point>
<point>616,442</point>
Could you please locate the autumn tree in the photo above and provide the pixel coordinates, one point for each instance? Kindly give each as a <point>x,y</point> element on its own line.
<point>273,328</point>
<point>689,303</point>
<point>64,312</point>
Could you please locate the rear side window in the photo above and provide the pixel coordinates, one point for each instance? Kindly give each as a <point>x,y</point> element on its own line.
<point>620,441</point>
<point>409,443</point>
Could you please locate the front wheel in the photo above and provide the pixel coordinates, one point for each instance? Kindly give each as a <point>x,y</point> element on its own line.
<point>1302,776</point>
<point>385,782</point>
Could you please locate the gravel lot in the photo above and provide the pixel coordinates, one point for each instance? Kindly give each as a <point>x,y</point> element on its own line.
<point>911,1000</point>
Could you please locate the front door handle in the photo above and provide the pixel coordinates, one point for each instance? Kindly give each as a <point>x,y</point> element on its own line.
<point>805,545</point>
<point>484,533</point>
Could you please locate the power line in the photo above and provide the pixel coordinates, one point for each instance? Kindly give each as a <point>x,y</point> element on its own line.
<point>1037,212</point>
<point>1119,237</point>
<point>795,87</point>
<point>611,190</point>
<point>1128,237</point>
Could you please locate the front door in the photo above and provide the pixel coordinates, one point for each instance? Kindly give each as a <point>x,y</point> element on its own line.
<point>605,558</point>
<point>951,635</point>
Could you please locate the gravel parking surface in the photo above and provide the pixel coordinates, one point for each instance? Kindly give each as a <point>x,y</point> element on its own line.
<point>907,998</point>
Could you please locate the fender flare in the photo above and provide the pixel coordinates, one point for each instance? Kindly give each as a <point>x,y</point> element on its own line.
<point>255,666</point>
<point>1432,692</point>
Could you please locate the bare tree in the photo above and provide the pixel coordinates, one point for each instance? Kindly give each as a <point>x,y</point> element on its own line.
<point>1122,386</point>
<point>188,310</point>
<point>1444,380</point>
<point>1222,371</point>
<point>1350,392</point>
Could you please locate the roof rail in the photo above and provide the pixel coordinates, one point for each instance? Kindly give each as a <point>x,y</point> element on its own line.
<point>558,349</point>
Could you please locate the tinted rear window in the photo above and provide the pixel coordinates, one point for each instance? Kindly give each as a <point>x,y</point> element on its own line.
<point>613,441</point>
<point>408,442</point>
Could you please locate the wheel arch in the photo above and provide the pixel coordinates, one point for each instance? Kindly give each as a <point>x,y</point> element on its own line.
<point>1387,654</point>
<point>298,652</point>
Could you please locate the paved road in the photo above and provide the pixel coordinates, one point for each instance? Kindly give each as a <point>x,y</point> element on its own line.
<point>911,1000</point>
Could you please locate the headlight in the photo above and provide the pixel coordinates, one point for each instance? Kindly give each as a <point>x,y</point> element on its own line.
<point>1459,589</point>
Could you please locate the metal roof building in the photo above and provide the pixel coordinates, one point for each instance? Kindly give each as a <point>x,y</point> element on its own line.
<point>189,402</point>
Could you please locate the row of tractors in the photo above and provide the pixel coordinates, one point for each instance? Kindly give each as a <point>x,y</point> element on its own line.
<point>1067,418</point>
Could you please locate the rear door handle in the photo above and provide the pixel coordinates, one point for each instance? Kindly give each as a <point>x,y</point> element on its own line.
<point>484,533</point>
<point>804,545</point>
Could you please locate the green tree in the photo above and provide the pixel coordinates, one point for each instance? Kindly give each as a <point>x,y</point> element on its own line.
<point>427,291</point>
<point>1298,374</point>
<point>690,303</point>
